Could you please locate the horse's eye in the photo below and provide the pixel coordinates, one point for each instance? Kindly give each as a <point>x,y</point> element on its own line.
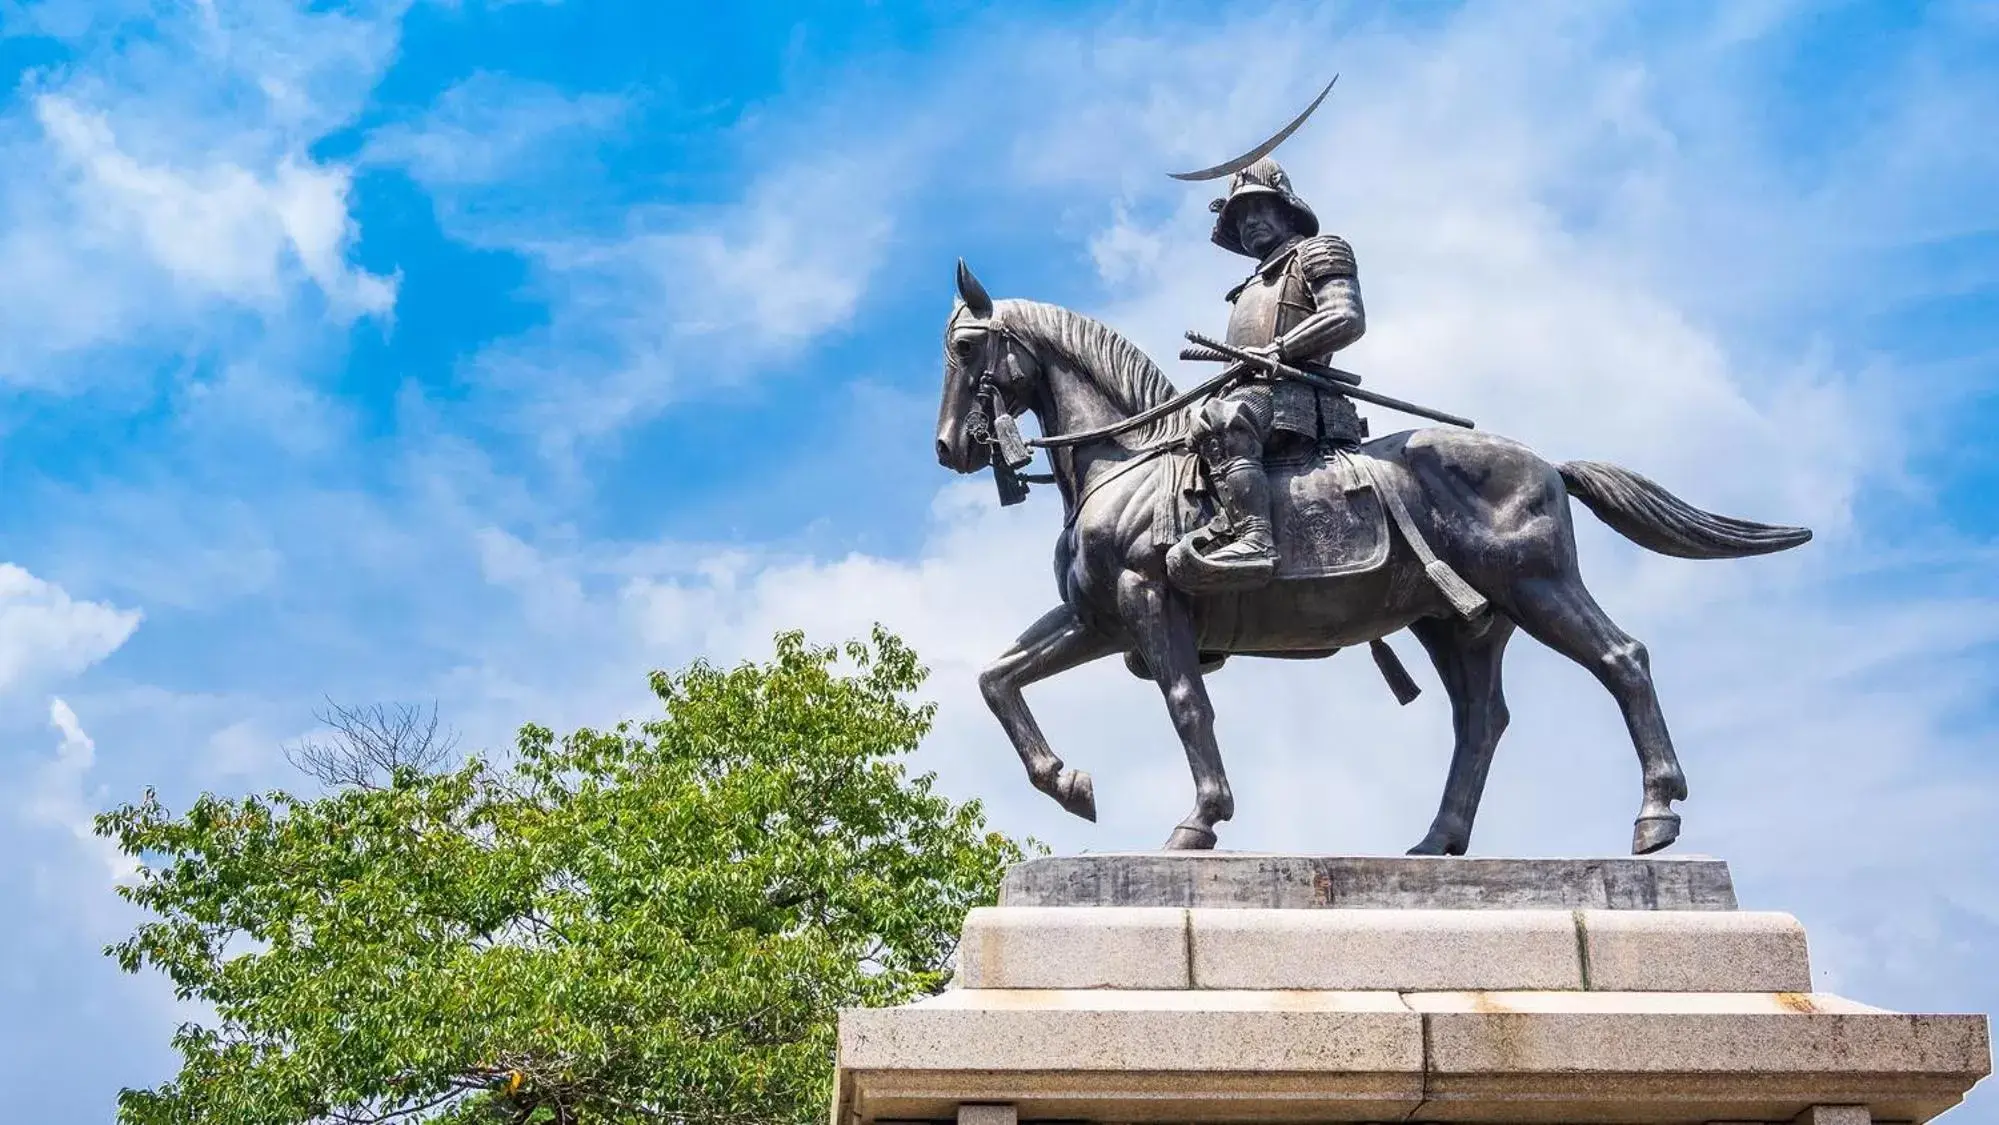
<point>963,345</point>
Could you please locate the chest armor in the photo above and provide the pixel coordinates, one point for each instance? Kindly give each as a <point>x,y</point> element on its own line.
<point>1265,307</point>
<point>1269,304</point>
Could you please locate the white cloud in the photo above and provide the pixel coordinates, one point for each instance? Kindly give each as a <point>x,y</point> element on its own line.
<point>46,635</point>
<point>166,199</point>
<point>219,230</point>
<point>61,796</point>
<point>744,285</point>
<point>493,131</point>
<point>744,270</point>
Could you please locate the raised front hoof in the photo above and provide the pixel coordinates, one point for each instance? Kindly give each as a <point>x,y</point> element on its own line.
<point>1193,573</point>
<point>1654,833</point>
<point>1190,838</point>
<point>1075,792</point>
<point>1436,843</point>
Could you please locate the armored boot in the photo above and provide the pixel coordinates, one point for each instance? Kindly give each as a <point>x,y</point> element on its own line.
<point>1247,557</point>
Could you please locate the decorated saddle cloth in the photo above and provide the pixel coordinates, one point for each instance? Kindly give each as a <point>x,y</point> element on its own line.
<point>1325,514</point>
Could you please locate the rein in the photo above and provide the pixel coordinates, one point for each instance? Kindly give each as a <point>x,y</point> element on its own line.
<point>1151,414</point>
<point>990,424</point>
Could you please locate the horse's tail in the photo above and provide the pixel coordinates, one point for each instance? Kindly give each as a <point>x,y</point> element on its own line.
<point>1659,521</point>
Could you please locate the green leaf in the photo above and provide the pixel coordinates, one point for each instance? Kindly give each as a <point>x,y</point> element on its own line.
<point>652,922</point>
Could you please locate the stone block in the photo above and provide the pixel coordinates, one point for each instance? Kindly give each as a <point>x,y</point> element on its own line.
<point>1310,1056</point>
<point>1424,950</point>
<point>987,1115</point>
<point>1758,1056</point>
<point>1247,879</point>
<point>1129,1056</point>
<point>1834,1115</point>
<point>1695,951</point>
<point>1074,947</point>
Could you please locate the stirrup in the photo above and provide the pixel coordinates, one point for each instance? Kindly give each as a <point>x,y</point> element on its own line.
<point>1195,573</point>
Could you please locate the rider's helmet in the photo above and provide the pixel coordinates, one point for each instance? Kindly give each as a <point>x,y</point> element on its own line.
<point>1265,177</point>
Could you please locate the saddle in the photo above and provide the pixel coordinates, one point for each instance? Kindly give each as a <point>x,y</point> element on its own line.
<point>1328,520</point>
<point>1326,515</point>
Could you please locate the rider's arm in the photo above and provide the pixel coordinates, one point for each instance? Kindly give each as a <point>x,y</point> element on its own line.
<point>1338,318</point>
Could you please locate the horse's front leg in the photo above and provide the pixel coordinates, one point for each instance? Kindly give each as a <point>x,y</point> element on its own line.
<point>1162,626</point>
<point>1056,643</point>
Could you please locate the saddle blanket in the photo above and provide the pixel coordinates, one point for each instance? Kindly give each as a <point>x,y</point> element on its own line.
<point>1326,517</point>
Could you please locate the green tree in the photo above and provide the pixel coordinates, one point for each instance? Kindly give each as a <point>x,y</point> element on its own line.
<point>651,923</point>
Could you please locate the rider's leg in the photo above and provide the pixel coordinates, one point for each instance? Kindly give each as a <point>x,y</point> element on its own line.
<point>1229,434</point>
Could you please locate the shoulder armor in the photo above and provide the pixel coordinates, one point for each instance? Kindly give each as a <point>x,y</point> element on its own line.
<point>1324,256</point>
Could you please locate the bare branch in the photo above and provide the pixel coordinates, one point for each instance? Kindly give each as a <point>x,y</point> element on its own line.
<point>369,744</point>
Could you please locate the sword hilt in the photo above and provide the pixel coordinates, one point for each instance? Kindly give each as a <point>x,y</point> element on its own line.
<point>1206,350</point>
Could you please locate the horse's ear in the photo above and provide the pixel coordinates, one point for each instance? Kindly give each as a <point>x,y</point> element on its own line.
<point>976,298</point>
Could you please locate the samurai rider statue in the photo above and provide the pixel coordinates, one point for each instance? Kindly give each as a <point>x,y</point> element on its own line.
<point>1300,305</point>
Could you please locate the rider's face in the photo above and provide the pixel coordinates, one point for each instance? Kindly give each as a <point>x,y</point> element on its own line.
<point>1261,226</point>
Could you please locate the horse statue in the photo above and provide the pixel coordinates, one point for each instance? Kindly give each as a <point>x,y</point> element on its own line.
<point>1472,508</point>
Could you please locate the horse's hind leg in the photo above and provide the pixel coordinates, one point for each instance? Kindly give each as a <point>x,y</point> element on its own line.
<point>1468,662</point>
<point>1561,614</point>
<point>1054,644</point>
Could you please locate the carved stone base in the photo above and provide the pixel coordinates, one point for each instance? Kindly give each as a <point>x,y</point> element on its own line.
<point>1139,989</point>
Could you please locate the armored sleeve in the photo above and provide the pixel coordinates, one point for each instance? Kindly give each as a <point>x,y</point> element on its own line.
<point>1324,257</point>
<point>1326,264</point>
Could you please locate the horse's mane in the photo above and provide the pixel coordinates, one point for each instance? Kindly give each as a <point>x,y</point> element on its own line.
<point>1125,374</point>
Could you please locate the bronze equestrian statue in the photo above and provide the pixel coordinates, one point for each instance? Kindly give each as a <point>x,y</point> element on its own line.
<point>1298,559</point>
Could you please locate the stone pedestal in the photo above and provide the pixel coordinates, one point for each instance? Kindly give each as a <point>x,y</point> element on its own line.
<point>1225,987</point>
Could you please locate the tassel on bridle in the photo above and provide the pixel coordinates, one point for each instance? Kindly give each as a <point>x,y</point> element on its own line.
<point>993,427</point>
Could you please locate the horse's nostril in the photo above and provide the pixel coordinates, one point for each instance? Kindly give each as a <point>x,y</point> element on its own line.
<point>943,452</point>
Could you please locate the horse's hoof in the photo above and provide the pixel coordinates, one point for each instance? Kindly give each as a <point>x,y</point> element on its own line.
<point>1190,838</point>
<point>1078,794</point>
<point>1435,844</point>
<point>1653,833</point>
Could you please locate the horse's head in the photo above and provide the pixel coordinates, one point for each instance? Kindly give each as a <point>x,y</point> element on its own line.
<point>988,371</point>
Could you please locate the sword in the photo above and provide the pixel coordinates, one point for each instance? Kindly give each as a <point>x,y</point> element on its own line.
<point>1282,370</point>
<point>1209,355</point>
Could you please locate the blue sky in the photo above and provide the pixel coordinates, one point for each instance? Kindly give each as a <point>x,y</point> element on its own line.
<point>494,353</point>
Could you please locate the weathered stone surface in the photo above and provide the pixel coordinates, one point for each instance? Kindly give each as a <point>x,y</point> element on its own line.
<point>987,1115</point>
<point>1128,1056</point>
<point>1074,947</point>
<point>1385,949</point>
<point>1834,1115</point>
<point>1245,879</point>
<point>1409,950</point>
<point>1216,1055</point>
<point>1695,951</point>
<point>1751,1056</point>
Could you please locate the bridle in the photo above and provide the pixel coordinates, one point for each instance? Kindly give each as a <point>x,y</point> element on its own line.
<point>990,424</point>
<point>988,401</point>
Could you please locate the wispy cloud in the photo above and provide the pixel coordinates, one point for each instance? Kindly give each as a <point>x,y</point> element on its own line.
<point>497,133</point>
<point>167,199</point>
<point>45,635</point>
<point>63,796</point>
<point>740,277</point>
<point>221,231</point>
